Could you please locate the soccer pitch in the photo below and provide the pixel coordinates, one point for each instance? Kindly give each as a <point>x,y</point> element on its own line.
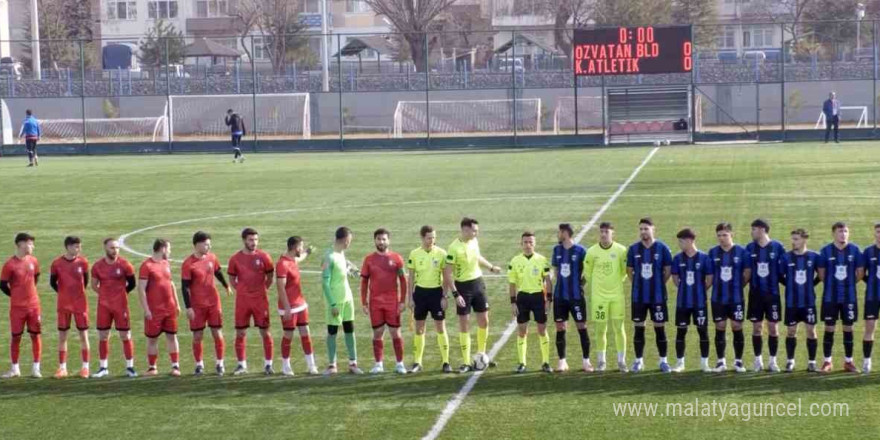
<point>310,194</point>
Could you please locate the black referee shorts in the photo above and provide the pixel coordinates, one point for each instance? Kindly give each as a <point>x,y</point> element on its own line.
<point>530,304</point>
<point>474,294</point>
<point>427,301</point>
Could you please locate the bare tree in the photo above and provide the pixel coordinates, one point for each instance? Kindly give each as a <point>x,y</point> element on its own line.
<point>277,22</point>
<point>566,13</point>
<point>791,13</point>
<point>413,19</point>
<point>700,14</point>
<point>632,12</point>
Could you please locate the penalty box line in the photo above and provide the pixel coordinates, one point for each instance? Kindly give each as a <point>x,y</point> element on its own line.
<point>456,401</point>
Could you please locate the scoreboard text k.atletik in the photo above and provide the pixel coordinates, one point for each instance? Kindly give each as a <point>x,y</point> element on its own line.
<point>633,50</point>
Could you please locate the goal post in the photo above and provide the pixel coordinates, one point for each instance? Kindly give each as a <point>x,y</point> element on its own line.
<point>200,117</point>
<point>6,133</point>
<point>861,109</point>
<point>468,117</point>
<point>589,114</point>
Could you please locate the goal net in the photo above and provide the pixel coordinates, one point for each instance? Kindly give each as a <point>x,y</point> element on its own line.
<point>468,117</point>
<point>278,116</point>
<point>588,114</point>
<point>104,130</point>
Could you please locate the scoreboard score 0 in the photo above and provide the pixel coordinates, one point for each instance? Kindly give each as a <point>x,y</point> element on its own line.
<point>633,50</point>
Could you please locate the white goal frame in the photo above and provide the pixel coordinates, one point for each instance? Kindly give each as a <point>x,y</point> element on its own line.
<point>863,116</point>
<point>398,113</point>
<point>306,122</point>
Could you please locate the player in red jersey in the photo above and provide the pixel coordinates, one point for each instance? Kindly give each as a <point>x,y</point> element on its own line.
<point>112,279</point>
<point>18,280</point>
<point>383,295</point>
<point>292,304</point>
<point>252,271</point>
<point>158,297</point>
<point>68,277</point>
<point>202,300</point>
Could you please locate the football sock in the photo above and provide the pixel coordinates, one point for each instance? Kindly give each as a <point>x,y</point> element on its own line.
<point>482,339</point>
<point>680,336</point>
<point>443,342</point>
<point>662,344</point>
<point>521,349</point>
<point>703,331</point>
<point>351,346</point>
<point>827,344</point>
<point>867,348</point>
<point>739,343</point>
<point>720,343</point>
<point>758,345</point>
<point>545,348</point>
<point>585,342</point>
<point>378,350</point>
<point>848,344</point>
<point>560,344</point>
<point>464,342</point>
<point>790,346</point>
<point>812,347</point>
<point>397,343</point>
<point>619,335</point>
<point>773,345</point>
<point>419,347</point>
<point>602,335</point>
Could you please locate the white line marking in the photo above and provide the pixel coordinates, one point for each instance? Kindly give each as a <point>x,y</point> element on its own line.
<point>455,402</point>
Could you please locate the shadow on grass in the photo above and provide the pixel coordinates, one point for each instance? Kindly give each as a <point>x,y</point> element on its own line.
<point>496,383</point>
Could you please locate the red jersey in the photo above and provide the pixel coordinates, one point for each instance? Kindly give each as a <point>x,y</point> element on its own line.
<point>160,289</point>
<point>383,271</point>
<point>200,273</point>
<point>20,274</point>
<point>249,272</point>
<point>288,269</point>
<point>111,278</point>
<point>71,276</point>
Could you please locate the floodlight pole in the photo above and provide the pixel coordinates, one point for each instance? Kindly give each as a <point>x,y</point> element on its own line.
<point>35,40</point>
<point>325,57</point>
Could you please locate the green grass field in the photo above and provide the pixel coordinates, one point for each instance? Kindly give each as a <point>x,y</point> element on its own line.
<point>794,185</point>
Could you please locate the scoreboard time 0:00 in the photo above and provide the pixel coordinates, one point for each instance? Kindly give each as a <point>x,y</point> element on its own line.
<point>633,50</point>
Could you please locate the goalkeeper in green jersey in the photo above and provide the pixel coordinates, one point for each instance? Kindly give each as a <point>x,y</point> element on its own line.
<point>340,302</point>
<point>605,272</point>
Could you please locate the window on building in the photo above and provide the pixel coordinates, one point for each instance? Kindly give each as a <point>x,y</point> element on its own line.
<point>261,52</point>
<point>758,37</point>
<point>313,6</point>
<point>121,10</point>
<point>357,6</point>
<point>162,9</point>
<point>726,39</point>
<point>211,8</point>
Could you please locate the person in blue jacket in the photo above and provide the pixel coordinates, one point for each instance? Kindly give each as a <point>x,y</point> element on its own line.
<point>30,131</point>
<point>831,109</point>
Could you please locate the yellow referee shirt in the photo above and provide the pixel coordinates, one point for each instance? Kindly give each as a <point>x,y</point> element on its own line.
<point>465,260</point>
<point>427,266</point>
<point>527,272</point>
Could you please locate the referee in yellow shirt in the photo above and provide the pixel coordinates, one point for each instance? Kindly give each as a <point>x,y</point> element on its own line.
<point>464,278</point>
<point>425,294</point>
<point>605,273</point>
<point>529,276</point>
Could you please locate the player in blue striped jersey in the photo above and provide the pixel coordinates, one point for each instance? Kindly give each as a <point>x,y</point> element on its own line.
<point>648,263</point>
<point>840,269</point>
<point>732,269</point>
<point>567,263</point>
<point>871,258</point>
<point>798,272</point>
<point>764,302</point>
<point>692,274</point>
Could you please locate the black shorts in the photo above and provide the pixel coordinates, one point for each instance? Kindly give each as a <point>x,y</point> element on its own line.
<point>794,315</point>
<point>848,313</point>
<point>236,140</point>
<point>734,312</point>
<point>687,315</point>
<point>872,309</point>
<point>659,313</point>
<point>428,301</point>
<point>530,303</point>
<point>474,294</point>
<point>763,307</point>
<point>562,308</point>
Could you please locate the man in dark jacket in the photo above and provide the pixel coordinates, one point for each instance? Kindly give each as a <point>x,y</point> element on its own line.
<point>831,109</point>
<point>236,126</point>
<point>30,131</point>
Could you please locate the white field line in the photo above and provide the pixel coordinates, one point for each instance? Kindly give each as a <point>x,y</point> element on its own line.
<point>454,403</point>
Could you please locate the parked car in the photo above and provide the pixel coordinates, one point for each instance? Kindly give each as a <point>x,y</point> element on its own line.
<point>510,64</point>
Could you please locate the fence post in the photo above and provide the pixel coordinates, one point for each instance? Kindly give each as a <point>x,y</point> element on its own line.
<point>168,100</point>
<point>427,91</point>
<point>782,80</point>
<point>874,60</point>
<point>254,93</point>
<point>513,78</point>
<point>82,94</point>
<point>339,74</point>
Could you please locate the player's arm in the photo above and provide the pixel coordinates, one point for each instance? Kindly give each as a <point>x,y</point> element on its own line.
<point>667,265</point>
<point>326,274</point>
<point>218,274</point>
<point>860,267</point>
<point>512,291</point>
<point>402,288</point>
<point>485,263</point>
<point>411,287</point>
<point>176,301</point>
<point>4,287</point>
<point>94,284</point>
<point>280,287</point>
<point>708,282</point>
<point>270,273</point>
<point>365,293</point>
<point>548,287</point>
<point>821,271</point>
<point>142,296</point>
<point>53,282</point>
<point>588,267</point>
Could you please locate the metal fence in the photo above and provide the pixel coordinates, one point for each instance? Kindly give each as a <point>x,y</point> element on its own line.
<point>521,93</point>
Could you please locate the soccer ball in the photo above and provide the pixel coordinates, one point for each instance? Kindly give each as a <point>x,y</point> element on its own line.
<point>481,361</point>
<point>656,143</point>
<point>667,142</point>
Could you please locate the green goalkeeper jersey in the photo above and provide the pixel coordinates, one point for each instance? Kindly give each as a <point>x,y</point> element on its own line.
<point>605,270</point>
<point>334,277</point>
